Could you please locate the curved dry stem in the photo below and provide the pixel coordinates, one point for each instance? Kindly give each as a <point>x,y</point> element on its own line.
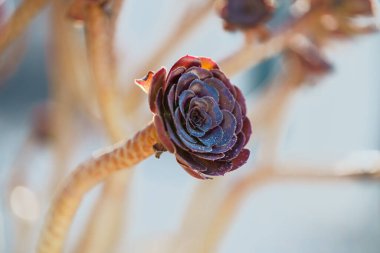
<point>105,225</point>
<point>116,10</point>
<point>70,66</point>
<point>11,59</point>
<point>100,56</point>
<point>229,206</point>
<point>87,175</point>
<point>264,174</point>
<point>197,216</point>
<point>106,222</point>
<point>20,19</point>
<point>251,54</point>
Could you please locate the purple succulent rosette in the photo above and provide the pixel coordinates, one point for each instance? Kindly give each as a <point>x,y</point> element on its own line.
<point>200,116</point>
<point>246,14</point>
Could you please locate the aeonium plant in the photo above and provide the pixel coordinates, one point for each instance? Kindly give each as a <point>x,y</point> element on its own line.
<point>198,115</point>
<point>246,14</point>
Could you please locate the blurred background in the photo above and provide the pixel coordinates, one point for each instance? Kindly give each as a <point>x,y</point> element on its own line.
<point>335,120</point>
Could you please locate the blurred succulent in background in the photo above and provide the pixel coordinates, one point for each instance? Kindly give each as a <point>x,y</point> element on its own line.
<point>200,116</point>
<point>246,14</point>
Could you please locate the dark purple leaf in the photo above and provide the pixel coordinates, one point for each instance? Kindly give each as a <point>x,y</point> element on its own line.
<point>162,134</point>
<point>209,156</point>
<point>187,62</point>
<point>212,137</point>
<point>226,99</point>
<point>235,150</point>
<point>214,111</point>
<point>239,118</point>
<point>170,99</point>
<point>174,75</point>
<point>241,100</point>
<point>200,72</point>
<point>247,130</point>
<point>229,126</point>
<point>202,89</point>
<point>158,81</point>
<point>193,130</point>
<point>225,147</point>
<point>184,100</point>
<point>240,160</point>
<point>182,134</point>
<point>184,82</point>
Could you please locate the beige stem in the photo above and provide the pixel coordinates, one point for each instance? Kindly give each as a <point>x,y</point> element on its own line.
<point>20,19</point>
<point>251,54</point>
<point>227,210</point>
<point>106,220</point>
<point>99,48</point>
<point>87,175</point>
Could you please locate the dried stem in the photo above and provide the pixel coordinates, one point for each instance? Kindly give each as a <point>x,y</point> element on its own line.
<point>87,175</point>
<point>63,86</point>
<point>99,53</point>
<point>20,19</point>
<point>227,209</point>
<point>197,217</point>
<point>116,10</point>
<point>265,174</point>
<point>105,224</point>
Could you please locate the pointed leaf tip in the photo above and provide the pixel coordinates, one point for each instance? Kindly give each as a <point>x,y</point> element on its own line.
<point>145,82</point>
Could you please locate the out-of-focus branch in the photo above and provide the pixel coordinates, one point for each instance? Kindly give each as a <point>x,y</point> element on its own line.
<point>106,219</point>
<point>99,53</point>
<point>266,174</point>
<point>193,18</point>
<point>124,155</point>
<point>251,54</point>
<point>116,8</point>
<point>11,59</point>
<point>20,19</point>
